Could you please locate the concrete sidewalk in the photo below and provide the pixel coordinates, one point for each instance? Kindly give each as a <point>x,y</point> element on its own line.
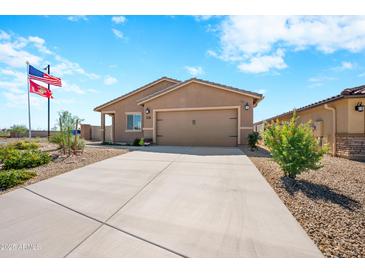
<point>157,202</point>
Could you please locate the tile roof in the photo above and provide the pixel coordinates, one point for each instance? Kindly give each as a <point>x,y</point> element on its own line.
<point>230,87</point>
<point>360,90</point>
<point>135,91</point>
<point>346,93</point>
<point>246,92</point>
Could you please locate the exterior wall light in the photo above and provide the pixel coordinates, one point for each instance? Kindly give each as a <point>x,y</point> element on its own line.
<point>359,107</point>
<point>247,106</point>
<point>147,111</point>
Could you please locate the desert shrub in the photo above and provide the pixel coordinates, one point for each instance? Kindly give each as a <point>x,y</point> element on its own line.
<point>18,130</point>
<point>5,152</point>
<point>253,139</point>
<point>10,178</point>
<point>141,142</point>
<point>17,159</point>
<point>24,145</point>
<point>57,139</point>
<point>79,144</point>
<point>68,124</point>
<point>293,146</point>
<point>136,142</point>
<point>4,133</point>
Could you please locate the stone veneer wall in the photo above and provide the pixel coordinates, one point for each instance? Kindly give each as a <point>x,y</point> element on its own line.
<point>351,146</point>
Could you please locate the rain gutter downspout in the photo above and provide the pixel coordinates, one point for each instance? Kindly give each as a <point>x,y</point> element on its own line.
<point>333,110</point>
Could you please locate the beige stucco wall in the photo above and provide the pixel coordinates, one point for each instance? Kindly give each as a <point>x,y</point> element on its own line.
<point>196,95</point>
<point>356,120</point>
<point>130,105</point>
<point>348,121</point>
<point>193,95</point>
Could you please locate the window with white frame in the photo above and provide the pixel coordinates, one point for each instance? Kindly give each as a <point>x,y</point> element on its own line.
<point>134,121</point>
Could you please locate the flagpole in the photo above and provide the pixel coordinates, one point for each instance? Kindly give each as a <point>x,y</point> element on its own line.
<point>49,105</point>
<point>30,127</point>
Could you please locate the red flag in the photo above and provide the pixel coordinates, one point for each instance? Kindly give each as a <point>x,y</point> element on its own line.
<point>40,90</point>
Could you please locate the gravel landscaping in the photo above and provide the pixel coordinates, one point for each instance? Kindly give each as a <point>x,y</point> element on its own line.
<point>329,203</point>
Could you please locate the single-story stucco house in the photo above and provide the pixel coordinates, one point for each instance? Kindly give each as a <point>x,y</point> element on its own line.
<point>194,112</point>
<point>338,121</point>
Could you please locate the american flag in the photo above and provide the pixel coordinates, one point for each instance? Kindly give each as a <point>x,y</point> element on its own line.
<point>35,74</point>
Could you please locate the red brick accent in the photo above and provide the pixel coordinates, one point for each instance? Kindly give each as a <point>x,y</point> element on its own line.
<point>351,146</point>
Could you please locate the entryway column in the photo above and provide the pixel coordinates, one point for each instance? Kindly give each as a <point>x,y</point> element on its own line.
<point>113,128</point>
<point>102,127</point>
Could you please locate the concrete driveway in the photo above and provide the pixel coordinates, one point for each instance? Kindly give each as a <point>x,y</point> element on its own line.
<point>155,202</point>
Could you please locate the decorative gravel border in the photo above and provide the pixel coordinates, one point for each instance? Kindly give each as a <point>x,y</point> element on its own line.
<point>329,203</point>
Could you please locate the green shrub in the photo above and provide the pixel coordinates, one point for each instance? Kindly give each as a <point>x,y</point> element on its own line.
<point>17,159</point>
<point>141,142</point>
<point>136,142</point>
<point>10,178</point>
<point>24,145</point>
<point>79,145</point>
<point>57,139</point>
<point>68,124</point>
<point>5,151</point>
<point>4,133</point>
<point>293,146</point>
<point>253,139</point>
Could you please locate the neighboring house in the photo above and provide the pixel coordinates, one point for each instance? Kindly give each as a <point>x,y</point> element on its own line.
<point>338,121</point>
<point>192,113</point>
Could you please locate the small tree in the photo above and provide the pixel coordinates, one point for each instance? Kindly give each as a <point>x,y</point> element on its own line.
<point>293,146</point>
<point>67,124</point>
<point>18,130</point>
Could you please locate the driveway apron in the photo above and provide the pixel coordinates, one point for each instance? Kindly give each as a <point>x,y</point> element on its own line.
<point>154,202</point>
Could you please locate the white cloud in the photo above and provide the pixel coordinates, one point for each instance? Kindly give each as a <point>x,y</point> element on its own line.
<point>67,67</point>
<point>109,80</point>
<point>194,71</point>
<point>36,40</point>
<point>118,33</point>
<point>259,64</point>
<point>13,87</point>
<point>15,51</point>
<point>4,35</point>
<point>119,19</point>
<point>39,43</point>
<point>347,65</point>
<point>69,87</point>
<point>246,39</point>
<point>212,53</point>
<point>16,100</point>
<point>19,76</point>
<point>76,18</point>
<point>11,55</point>
<point>203,17</point>
<point>318,81</point>
<point>261,91</point>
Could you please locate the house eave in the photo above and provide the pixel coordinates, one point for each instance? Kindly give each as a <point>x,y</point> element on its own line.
<point>254,95</point>
<point>120,98</point>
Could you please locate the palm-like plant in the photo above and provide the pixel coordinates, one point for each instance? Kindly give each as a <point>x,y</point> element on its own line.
<point>67,123</point>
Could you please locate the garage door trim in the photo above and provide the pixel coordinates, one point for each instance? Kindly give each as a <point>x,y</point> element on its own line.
<point>238,108</point>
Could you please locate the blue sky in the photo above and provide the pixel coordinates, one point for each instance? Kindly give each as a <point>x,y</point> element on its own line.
<point>293,60</point>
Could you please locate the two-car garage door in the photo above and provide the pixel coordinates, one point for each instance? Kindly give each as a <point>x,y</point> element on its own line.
<point>216,127</point>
